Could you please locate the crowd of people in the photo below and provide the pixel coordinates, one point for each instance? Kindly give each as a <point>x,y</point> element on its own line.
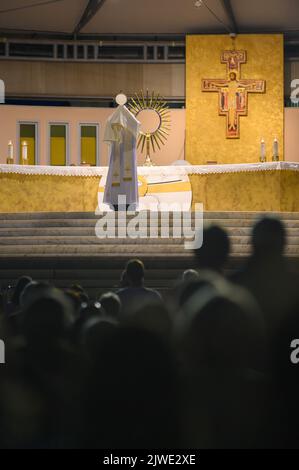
<point>208,367</point>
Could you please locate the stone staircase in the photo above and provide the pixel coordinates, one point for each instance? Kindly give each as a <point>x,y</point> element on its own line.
<point>63,248</point>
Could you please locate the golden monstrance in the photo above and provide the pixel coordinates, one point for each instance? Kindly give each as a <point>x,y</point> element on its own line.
<point>153,112</point>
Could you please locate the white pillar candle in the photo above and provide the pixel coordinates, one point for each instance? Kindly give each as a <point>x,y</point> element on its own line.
<point>275,149</point>
<point>263,150</point>
<point>10,150</point>
<point>24,151</point>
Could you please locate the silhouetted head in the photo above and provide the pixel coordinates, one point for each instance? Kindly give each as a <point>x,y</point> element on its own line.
<point>190,287</point>
<point>124,280</point>
<point>20,286</point>
<point>76,300</point>
<point>268,237</point>
<point>92,310</point>
<point>77,288</point>
<point>215,249</point>
<point>34,290</point>
<point>87,311</point>
<point>95,335</point>
<point>222,326</point>
<point>135,272</point>
<point>47,318</point>
<point>190,275</point>
<point>152,317</point>
<point>111,304</point>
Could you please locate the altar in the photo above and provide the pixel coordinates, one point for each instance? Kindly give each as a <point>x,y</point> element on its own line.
<point>270,187</point>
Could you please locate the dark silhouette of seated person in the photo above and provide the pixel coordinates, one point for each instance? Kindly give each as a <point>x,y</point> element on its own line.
<point>285,414</point>
<point>188,288</point>
<point>215,249</point>
<point>48,363</point>
<point>111,304</point>
<point>222,349</point>
<point>14,304</point>
<point>266,273</point>
<point>136,295</point>
<point>45,325</point>
<point>88,311</point>
<point>152,317</point>
<point>130,400</point>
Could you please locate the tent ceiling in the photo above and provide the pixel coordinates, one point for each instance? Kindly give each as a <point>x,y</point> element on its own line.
<point>148,17</point>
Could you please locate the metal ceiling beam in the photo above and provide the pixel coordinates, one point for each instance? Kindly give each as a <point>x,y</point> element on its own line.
<point>227,5</point>
<point>90,11</point>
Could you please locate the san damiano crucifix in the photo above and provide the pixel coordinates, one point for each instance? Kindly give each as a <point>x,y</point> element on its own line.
<point>233,91</point>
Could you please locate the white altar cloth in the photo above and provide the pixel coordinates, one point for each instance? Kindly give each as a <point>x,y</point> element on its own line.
<point>171,170</point>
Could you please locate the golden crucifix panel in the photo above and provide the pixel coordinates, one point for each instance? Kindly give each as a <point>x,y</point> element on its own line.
<point>233,91</point>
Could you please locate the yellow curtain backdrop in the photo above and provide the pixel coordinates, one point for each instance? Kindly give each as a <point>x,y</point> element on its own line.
<point>89,145</point>
<point>58,144</point>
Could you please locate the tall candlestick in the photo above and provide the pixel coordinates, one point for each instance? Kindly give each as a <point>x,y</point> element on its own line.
<point>275,150</point>
<point>24,153</point>
<point>263,151</point>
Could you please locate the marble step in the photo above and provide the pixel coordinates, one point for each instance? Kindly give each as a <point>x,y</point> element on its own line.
<point>86,241</point>
<point>15,239</point>
<point>9,224</point>
<point>89,223</point>
<point>93,216</point>
<point>96,249</point>
<point>90,231</point>
<point>73,234</point>
<point>88,274</point>
<point>175,249</point>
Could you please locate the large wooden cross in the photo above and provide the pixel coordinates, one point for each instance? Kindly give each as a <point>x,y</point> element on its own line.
<point>233,91</point>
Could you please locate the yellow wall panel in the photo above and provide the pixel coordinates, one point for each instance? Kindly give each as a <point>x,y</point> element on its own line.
<point>58,151</point>
<point>89,150</point>
<point>205,129</point>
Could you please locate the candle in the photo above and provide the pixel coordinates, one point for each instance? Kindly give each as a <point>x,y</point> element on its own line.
<point>25,152</point>
<point>275,150</point>
<point>10,150</point>
<point>263,151</point>
<point>9,159</point>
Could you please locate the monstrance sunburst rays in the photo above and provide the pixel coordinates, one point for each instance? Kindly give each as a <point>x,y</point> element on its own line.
<point>151,141</point>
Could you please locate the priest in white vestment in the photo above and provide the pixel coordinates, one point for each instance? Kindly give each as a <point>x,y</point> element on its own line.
<point>122,130</point>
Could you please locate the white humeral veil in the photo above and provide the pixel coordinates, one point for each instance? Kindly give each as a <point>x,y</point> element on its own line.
<point>121,132</point>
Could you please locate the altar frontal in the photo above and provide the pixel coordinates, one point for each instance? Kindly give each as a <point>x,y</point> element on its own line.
<point>244,187</point>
